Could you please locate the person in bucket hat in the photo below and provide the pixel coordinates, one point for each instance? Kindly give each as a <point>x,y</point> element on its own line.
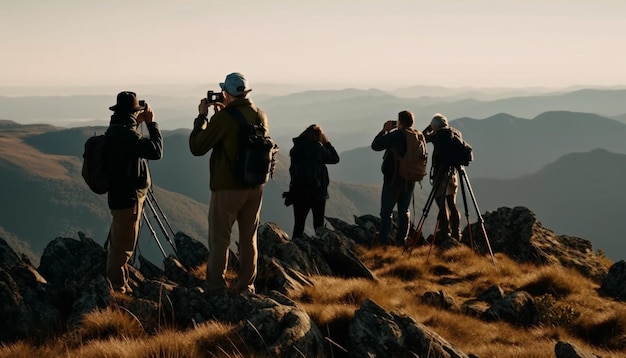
<point>127,151</point>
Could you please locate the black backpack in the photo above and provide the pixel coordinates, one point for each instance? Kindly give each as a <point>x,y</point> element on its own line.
<point>94,167</point>
<point>456,151</point>
<point>256,154</point>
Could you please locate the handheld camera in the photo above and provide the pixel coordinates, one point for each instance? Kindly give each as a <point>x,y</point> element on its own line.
<point>394,123</point>
<point>214,97</point>
<point>142,103</point>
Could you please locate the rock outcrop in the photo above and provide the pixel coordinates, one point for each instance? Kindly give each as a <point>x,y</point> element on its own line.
<point>517,233</point>
<point>69,283</point>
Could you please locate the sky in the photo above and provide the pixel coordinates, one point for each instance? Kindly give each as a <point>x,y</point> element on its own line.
<point>358,43</point>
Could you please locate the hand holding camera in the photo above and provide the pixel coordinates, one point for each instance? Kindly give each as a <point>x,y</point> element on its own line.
<point>215,99</point>
<point>146,115</point>
<point>389,125</point>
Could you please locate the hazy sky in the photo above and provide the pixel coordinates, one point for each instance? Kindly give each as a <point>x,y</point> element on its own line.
<point>359,43</point>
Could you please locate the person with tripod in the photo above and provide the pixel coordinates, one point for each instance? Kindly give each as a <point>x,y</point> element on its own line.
<point>440,134</point>
<point>396,190</point>
<point>126,153</point>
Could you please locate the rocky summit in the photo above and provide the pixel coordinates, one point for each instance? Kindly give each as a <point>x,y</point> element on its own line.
<point>70,282</point>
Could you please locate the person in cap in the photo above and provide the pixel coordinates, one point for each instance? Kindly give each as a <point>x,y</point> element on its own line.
<point>127,152</point>
<point>395,191</point>
<point>440,134</point>
<point>230,200</point>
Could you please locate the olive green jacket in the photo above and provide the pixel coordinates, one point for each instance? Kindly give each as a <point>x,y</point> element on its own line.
<point>221,135</point>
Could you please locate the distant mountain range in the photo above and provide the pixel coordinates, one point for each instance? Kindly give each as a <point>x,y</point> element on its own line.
<point>350,116</point>
<point>506,146</point>
<point>515,159</point>
<point>580,194</point>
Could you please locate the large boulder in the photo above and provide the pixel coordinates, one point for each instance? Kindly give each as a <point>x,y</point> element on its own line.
<point>615,282</point>
<point>285,264</point>
<point>29,305</point>
<point>518,308</point>
<point>374,332</point>
<point>517,233</point>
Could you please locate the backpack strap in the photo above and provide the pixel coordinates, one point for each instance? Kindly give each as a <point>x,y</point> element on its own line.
<point>241,120</point>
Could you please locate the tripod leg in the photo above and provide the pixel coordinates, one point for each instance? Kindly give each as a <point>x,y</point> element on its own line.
<point>480,217</point>
<point>149,200</point>
<point>161,212</point>
<point>154,235</point>
<point>471,239</point>
<point>449,173</point>
<point>410,244</point>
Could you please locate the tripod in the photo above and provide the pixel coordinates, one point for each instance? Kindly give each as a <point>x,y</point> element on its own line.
<point>412,239</point>
<point>159,218</point>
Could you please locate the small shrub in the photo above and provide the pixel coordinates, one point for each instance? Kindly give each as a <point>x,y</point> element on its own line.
<point>555,314</point>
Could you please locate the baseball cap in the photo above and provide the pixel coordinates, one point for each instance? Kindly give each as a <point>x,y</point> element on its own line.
<point>235,84</point>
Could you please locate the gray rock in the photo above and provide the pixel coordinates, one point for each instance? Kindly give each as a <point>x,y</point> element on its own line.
<point>190,252</point>
<point>492,294</point>
<point>517,308</point>
<point>70,260</point>
<point>374,332</point>
<point>519,234</point>
<point>568,350</point>
<point>615,282</point>
<point>277,325</point>
<point>8,257</point>
<point>176,272</point>
<point>440,299</point>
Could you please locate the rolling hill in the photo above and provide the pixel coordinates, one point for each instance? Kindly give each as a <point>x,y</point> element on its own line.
<point>506,146</point>
<point>40,170</point>
<point>580,194</point>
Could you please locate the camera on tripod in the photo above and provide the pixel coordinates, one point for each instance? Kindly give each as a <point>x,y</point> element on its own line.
<point>214,97</point>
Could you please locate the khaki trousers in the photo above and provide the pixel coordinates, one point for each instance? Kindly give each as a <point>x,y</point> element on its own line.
<point>122,241</point>
<point>226,207</point>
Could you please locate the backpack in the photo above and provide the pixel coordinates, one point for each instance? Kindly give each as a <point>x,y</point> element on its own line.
<point>306,171</point>
<point>456,151</point>
<point>94,168</point>
<point>256,154</point>
<point>412,165</point>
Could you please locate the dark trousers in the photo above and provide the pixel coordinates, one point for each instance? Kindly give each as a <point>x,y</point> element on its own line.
<point>395,193</point>
<point>301,210</point>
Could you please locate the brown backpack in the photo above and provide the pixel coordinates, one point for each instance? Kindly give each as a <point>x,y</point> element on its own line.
<point>412,165</point>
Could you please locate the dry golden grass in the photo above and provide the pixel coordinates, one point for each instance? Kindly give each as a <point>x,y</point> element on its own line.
<point>570,310</point>
<point>463,274</point>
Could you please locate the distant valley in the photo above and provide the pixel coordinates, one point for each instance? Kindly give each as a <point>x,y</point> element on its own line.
<point>546,152</point>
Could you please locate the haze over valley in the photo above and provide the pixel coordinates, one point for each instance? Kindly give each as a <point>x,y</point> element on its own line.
<point>556,152</point>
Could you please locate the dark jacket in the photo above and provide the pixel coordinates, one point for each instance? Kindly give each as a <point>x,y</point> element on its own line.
<point>440,139</point>
<point>126,154</point>
<point>221,135</point>
<point>391,142</point>
<point>309,175</point>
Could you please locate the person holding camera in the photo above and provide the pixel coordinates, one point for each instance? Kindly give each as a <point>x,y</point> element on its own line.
<point>308,188</point>
<point>230,199</point>
<point>127,152</point>
<point>440,134</point>
<point>395,191</point>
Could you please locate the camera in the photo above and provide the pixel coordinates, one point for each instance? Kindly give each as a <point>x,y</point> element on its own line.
<point>394,123</point>
<point>142,103</point>
<point>214,97</point>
